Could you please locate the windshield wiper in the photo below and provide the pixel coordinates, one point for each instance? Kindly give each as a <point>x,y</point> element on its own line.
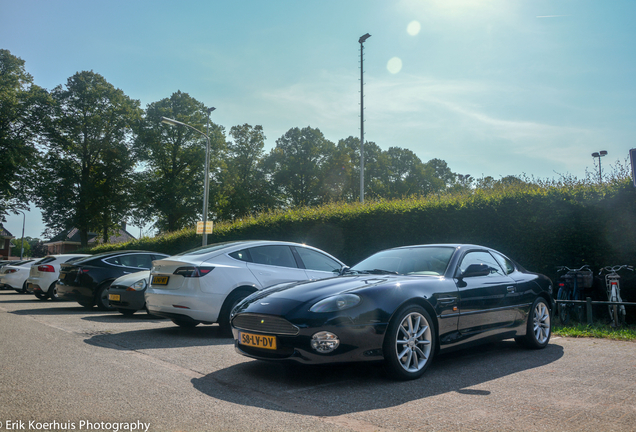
<point>379,271</point>
<point>348,270</point>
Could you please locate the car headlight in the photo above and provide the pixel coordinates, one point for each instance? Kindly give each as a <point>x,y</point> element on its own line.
<point>336,303</point>
<point>140,285</point>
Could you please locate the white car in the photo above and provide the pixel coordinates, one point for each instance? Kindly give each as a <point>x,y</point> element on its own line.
<point>14,276</point>
<point>204,284</point>
<point>42,278</point>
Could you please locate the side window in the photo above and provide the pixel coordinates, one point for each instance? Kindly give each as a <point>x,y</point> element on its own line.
<point>114,261</point>
<point>242,255</point>
<point>278,255</point>
<point>142,261</point>
<point>314,260</point>
<point>481,258</point>
<point>505,263</point>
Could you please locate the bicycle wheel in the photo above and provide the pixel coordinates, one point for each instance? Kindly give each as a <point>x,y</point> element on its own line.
<point>580,309</point>
<point>562,308</point>
<point>614,315</point>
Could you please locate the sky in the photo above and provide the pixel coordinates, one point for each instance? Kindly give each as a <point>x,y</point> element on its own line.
<point>492,87</point>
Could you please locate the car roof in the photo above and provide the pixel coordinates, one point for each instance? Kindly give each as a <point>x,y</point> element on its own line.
<point>221,247</point>
<point>115,253</point>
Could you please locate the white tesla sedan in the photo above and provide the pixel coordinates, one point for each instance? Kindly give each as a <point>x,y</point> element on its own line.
<point>202,285</point>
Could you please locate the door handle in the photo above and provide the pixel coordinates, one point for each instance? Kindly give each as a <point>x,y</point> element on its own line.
<point>510,289</point>
<point>447,300</point>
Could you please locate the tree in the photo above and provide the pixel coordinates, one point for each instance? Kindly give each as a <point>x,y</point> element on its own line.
<point>20,110</point>
<point>16,245</point>
<point>243,188</point>
<point>175,159</point>
<point>297,166</point>
<point>85,174</point>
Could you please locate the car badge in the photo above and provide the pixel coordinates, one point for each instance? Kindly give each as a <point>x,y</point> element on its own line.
<point>262,321</point>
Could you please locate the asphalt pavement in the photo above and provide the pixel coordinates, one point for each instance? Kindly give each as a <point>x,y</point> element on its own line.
<point>64,367</point>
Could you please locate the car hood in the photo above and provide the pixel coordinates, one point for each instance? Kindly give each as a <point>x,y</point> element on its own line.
<point>130,279</point>
<point>283,298</point>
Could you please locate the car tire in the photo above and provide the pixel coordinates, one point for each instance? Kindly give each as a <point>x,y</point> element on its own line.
<point>224,315</point>
<point>150,314</point>
<point>101,299</point>
<point>52,293</point>
<point>409,343</point>
<point>41,296</point>
<point>539,326</point>
<point>126,312</point>
<point>185,323</point>
<point>24,288</point>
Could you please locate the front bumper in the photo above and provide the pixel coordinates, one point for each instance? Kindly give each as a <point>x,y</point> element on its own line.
<point>357,343</point>
<point>133,300</point>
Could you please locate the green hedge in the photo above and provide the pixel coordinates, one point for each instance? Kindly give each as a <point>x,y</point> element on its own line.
<point>540,226</point>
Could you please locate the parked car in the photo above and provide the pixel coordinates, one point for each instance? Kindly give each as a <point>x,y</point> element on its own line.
<point>399,306</point>
<point>203,285</point>
<point>126,293</point>
<point>87,279</point>
<point>13,276</point>
<point>43,276</point>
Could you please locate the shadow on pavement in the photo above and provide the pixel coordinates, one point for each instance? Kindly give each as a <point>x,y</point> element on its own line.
<point>164,337</point>
<point>53,311</point>
<point>350,388</point>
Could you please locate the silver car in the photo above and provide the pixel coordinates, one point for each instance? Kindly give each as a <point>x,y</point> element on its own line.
<point>204,284</point>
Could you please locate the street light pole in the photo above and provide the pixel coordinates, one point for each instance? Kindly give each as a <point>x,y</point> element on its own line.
<point>206,180</point>
<point>206,187</point>
<point>599,155</point>
<point>361,41</point>
<point>22,241</point>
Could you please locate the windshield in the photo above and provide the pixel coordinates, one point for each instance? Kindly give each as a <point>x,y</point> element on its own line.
<point>431,261</point>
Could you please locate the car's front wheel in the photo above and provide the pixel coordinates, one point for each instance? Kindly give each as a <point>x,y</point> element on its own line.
<point>101,300</point>
<point>185,323</point>
<point>409,344</point>
<point>539,326</point>
<point>126,312</point>
<point>52,294</point>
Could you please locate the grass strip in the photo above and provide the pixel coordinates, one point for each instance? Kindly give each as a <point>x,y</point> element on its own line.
<point>596,330</point>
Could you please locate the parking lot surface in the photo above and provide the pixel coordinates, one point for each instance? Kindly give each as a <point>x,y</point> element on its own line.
<point>62,365</point>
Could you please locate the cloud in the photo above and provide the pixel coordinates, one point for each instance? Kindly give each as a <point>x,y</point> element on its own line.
<point>460,121</point>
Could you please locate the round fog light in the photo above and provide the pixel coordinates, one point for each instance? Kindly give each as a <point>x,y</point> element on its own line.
<point>324,342</point>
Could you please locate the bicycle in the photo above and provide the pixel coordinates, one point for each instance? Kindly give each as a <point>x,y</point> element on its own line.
<point>612,285</point>
<point>571,287</point>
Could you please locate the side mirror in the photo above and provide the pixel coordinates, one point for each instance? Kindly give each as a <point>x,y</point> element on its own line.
<point>475,270</point>
<point>342,270</point>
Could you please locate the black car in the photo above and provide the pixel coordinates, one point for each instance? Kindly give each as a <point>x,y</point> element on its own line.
<point>400,306</point>
<point>87,280</point>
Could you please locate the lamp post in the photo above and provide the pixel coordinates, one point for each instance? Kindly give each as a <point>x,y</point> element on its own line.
<point>206,181</point>
<point>361,41</point>
<point>22,241</point>
<point>599,155</point>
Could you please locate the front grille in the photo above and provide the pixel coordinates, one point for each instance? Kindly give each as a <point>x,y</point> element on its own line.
<point>264,324</point>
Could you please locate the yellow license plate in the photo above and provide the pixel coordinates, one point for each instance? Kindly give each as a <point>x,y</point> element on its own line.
<point>160,280</point>
<point>258,341</point>
<point>114,297</point>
